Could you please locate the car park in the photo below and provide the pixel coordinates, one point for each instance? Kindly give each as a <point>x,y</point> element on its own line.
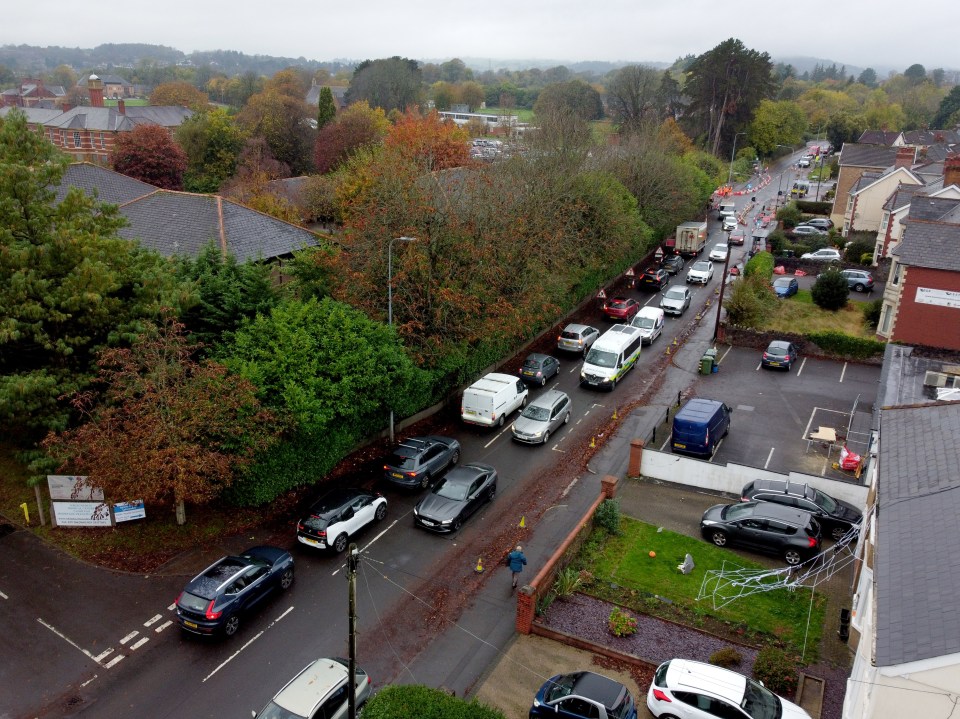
<point>577,338</point>
<point>737,237</point>
<point>418,461</point>
<point>654,278</point>
<point>719,252</point>
<point>538,368</point>
<point>456,497</point>
<point>650,322</point>
<point>338,515</point>
<point>858,280</point>
<point>821,223</point>
<point>318,691</point>
<point>546,414</point>
<point>215,601</point>
<point>676,300</point>
<point>826,254</point>
<point>489,400</point>
<point>763,526</point>
<point>784,287</point>
<point>583,695</point>
<point>621,308</point>
<point>701,272</point>
<point>779,354</point>
<point>687,689</point>
<point>672,264</point>
<point>835,516</point>
<point>807,231</point>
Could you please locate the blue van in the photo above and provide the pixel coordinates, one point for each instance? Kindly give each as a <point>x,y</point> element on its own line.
<point>699,426</point>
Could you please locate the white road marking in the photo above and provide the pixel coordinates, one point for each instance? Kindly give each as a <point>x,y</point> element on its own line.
<point>172,607</point>
<point>505,429</point>
<point>724,354</point>
<point>116,660</point>
<point>251,641</point>
<point>572,370</point>
<point>139,643</point>
<point>769,457</point>
<point>364,549</point>
<point>153,620</point>
<point>566,490</point>
<point>803,363</point>
<point>89,680</point>
<point>103,655</point>
<point>759,366</point>
<point>65,638</point>
<point>163,626</point>
<point>843,372</point>
<point>130,636</point>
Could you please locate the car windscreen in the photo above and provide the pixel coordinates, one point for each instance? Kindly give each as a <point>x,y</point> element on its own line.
<point>674,295</point>
<point>644,323</point>
<point>535,412</point>
<point>570,335</point>
<point>275,711</point>
<point>600,358</point>
<point>456,491</point>
<point>702,266</point>
<point>531,364</point>
<point>737,511</point>
<point>759,702</point>
<point>777,351</point>
<point>316,522</point>
<point>561,687</point>
<point>782,282</point>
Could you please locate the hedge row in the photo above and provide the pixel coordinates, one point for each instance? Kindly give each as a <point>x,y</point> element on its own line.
<point>405,701</point>
<point>841,345</point>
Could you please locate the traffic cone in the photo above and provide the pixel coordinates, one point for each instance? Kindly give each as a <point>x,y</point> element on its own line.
<point>593,443</point>
<point>614,413</point>
<point>479,569</point>
<point>674,341</point>
<point>668,349</point>
<point>523,522</point>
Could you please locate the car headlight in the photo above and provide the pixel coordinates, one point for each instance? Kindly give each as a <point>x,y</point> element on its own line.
<point>536,702</point>
<point>446,521</point>
<point>707,522</point>
<point>536,434</point>
<point>416,511</point>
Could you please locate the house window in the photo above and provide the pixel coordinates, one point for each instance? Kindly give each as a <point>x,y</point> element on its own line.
<point>849,205</point>
<point>103,141</point>
<point>895,273</point>
<point>884,222</point>
<point>76,138</point>
<point>885,319</point>
<point>63,138</point>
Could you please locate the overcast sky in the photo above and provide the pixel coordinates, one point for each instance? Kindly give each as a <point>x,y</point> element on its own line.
<point>882,34</point>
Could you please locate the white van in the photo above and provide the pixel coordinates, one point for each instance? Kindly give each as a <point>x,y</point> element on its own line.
<point>612,356</point>
<point>490,399</point>
<point>650,322</point>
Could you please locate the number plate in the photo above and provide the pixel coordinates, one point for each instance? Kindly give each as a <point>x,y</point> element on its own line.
<point>528,373</point>
<point>313,542</point>
<point>774,364</point>
<point>192,625</point>
<point>679,446</point>
<point>397,475</point>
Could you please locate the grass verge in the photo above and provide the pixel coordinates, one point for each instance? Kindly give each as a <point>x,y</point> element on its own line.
<point>799,315</point>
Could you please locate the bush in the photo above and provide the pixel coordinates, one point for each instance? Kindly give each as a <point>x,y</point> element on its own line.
<point>621,623</point>
<point>726,658</point>
<point>761,264</point>
<point>402,701</point>
<point>830,291</point>
<point>789,215</point>
<point>841,345</point>
<point>871,313</point>
<point>607,516</point>
<point>776,239</point>
<point>776,670</point>
<point>750,301</point>
<point>567,582</point>
<point>857,250</point>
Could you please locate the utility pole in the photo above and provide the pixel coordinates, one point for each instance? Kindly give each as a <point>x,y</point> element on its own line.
<point>723,286</point>
<point>352,561</point>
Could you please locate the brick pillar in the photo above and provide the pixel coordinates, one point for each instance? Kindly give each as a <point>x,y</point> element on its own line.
<point>636,455</point>
<point>608,486</point>
<point>525,609</point>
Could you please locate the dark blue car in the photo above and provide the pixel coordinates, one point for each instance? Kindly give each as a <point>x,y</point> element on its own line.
<point>583,695</point>
<point>214,601</point>
<point>785,286</point>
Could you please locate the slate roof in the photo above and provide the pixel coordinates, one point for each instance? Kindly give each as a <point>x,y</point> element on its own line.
<point>932,243</point>
<point>876,156</point>
<point>110,119</point>
<point>339,95</point>
<point>878,137</point>
<point>902,375</point>
<point>917,568</point>
<point>931,137</point>
<point>35,115</point>
<point>106,185</point>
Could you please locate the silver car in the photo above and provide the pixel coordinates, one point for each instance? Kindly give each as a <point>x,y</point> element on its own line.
<point>577,338</point>
<point>542,416</point>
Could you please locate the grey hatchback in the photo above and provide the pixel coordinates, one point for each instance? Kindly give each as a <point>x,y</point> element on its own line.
<point>577,338</point>
<point>544,415</point>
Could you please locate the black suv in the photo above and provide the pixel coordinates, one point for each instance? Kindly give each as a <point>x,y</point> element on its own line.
<point>835,516</point>
<point>214,600</point>
<point>764,526</point>
<point>418,461</point>
<point>672,264</point>
<point>654,278</point>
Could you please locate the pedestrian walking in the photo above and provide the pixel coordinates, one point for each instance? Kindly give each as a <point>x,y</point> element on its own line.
<point>516,560</point>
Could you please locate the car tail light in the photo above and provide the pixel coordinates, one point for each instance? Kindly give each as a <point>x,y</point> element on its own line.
<point>812,542</point>
<point>411,474</point>
<point>744,499</point>
<point>660,696</point>
<point>493,416</point>
<point>210,614</point>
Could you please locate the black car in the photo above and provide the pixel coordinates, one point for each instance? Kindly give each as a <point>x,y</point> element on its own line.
<point>654,278</point>
<point>418,461</point>
<point>764,526</point>
<point>672,264</point>
<point>834,515</point>
<point>458,495</point>
<point>338,515</point>
<point>583,695</point>
<point>538,368</point>
<point>779,354</point>
<point>215,600</point>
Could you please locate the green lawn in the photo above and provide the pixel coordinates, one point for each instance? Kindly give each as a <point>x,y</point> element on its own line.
<point>129,102</point>
<point>624,572</point>
<point>798,314</point>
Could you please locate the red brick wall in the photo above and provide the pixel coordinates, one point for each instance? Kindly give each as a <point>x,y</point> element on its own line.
<point>930,325</point>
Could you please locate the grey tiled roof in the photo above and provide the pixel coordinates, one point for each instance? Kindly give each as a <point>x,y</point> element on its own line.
<point>878,137</point>
<point>917,568</point>
<point>107,185</point>
<point>930,244</point>
<point>902,196</point>
<point>876,156</point>
<point>934,209</point>
<point>35,115</point>
<point>164,115</point>
<point>110,119</point>
<point>931,137</point>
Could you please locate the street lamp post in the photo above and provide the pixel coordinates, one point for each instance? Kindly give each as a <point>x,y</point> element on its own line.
<point>733,154</point>
<point>780,181</point>
<point>390,297</point>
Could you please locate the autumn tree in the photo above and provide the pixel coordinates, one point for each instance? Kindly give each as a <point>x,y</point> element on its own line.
<point>326,108</point>
<point>444,95</point>
<point>575,96</point>
<point>472,95</point>
<point>251,185</point>
<point>168,429</point>
<point>429,142</point>
<point>391,84</point>
<point>287,82</point>
<point>633,97</point>
<point>148,153</point>
<point>356,126</point>
<point>776,123</point>
<point>212,142</point>
<point>180,93</point>
<point>283,121</point>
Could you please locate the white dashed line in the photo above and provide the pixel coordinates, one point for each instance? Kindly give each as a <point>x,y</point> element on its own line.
<point>769,457</point>
<point>130,636</point>
<point>172,607</point>
<point>153,620</point>
<point>139,643</point>
<point>4,595</point>
<point>113,662</point>
<point>230,658</point>
<point>103,655</point>
<point>163,626</point>
<point>89,680</point>
<point>843,372</point>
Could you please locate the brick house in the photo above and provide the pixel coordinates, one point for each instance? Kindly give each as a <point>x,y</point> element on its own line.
<point>855,160</point>
<point>31,92</point>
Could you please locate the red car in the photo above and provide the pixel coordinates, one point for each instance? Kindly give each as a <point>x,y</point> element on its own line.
<point>621,308</point>
<point>736,237</point>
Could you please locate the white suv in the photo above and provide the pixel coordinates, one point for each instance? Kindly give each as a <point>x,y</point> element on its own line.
<point>319,690</point>
<point>686,689</point>
<point>701,272</point>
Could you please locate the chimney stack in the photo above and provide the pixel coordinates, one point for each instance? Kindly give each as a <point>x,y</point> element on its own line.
<point>906,156</point>
<point>121,108</point>
<point>95,88</point>
<point>951,171</point>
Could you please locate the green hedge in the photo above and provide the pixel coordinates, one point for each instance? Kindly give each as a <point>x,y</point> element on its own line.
<point>406,701</point>
<point>761,264</point>
<point>814,208</point>
<point>842,345</point>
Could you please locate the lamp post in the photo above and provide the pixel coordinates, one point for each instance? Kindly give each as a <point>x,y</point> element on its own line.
<point>780,181</point>
<point>390,297</point>
<point>733,154</point>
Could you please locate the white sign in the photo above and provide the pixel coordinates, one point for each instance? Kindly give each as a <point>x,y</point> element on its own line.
<point>65,486</point>
<point>125,511</point>
<point>943,298</point>
<point>81,514</point>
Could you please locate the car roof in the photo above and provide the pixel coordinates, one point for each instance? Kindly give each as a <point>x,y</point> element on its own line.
<point>781,486</point>
<point>467,472</point>
<point>770,510</point>
<point>781,280</point>
<point>334,499</point>
<point>578,328</point>
<point>537,357</point>
<point>686,674</point>
<point>651,312</point>
<point>778,344</point>
<point>597,687</point>
<point>208,582</point>
<point>548,398</point>
<point>315,681</point>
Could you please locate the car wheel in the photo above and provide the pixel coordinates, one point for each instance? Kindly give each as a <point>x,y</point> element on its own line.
<point>546,436</point>
<point>231,626</point>
<point>493,493</point>
<point>425,482</point>
<point>792,557</point>
<point>837,533</point>
<point>500,421</point>
<point>543,381</point>
<point>381,512</point>
<point>859,287</point>
<point>455,458</point>
<point>523,402</point>
<point>719,538</point>
<point>567,418</point>
<point>286,579</point>
<point>457,523</point>
<point>340,544</point>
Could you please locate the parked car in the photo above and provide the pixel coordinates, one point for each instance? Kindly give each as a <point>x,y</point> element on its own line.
<point>338,515</point>
<point>583,695</point>
<point>779,354</point>
<point>765,527</point>
<point>457,496</point>
<point>676,300</point>
<point>318,690</point>
<point>685,689</point>
<point>538,368</point>
<point>807,231</point>
<point>784,287</point>
<point>858,280</point>
<point>621,308</point>
<point>729,223</point>
<point>719,252</point>
<point>214,601</point>
<point>577,338</point>
<point>701,272</point>
<point>672,264</point>
<point>546,414</point>
<point>835,516</point>
<point>650,322</point>
<point>821,223</point>
<point>654,278</point>
<point>737,237</point>
<point>827,254</point>
<point>418,461</point>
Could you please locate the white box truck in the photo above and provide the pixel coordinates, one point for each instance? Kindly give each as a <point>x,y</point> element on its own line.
<point>691,238</point>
